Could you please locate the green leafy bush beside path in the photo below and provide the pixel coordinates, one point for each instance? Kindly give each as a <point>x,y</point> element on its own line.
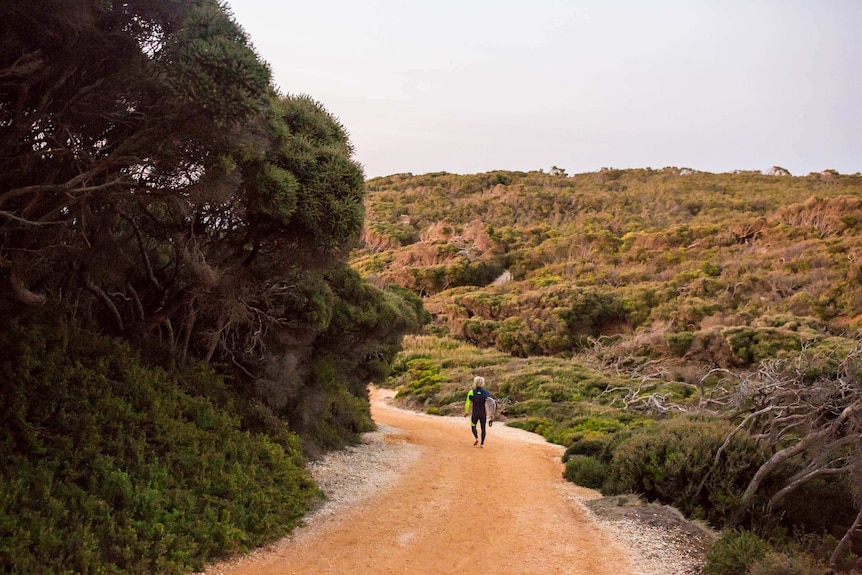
<point>109,467</point>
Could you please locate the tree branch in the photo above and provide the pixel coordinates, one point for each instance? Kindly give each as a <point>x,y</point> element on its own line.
<point>140,239</point>
<point>801,479</point>
<point>105,299</point>
<point>27,222</point>
<point>845,541</point>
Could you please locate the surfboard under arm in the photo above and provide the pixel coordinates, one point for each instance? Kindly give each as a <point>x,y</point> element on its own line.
<point>490,407</point>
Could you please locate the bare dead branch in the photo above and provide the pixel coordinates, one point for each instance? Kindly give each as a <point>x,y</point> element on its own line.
<point>812,425</point>
<point>105,299</point>
<point>25,221</point>
<point>22,293</point>
<point>140,239</point>
<point>845,541</point>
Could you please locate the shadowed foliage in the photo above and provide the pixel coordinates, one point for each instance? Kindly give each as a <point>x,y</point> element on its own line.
<point>156,189</point>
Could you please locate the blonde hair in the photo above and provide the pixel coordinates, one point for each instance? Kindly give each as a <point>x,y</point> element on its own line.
<point>479,380</point>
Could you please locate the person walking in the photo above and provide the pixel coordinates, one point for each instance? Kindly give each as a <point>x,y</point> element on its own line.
<point>475,408</point>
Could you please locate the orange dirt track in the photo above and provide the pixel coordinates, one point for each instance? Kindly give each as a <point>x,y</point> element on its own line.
<point>501,510</point>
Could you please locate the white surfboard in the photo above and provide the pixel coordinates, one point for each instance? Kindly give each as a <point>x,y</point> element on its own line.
<point>490,407</point>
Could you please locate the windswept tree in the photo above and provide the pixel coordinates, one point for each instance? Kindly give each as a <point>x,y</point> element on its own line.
<point>154,185</point>
<point>806,416</point>
<point>116,122</point>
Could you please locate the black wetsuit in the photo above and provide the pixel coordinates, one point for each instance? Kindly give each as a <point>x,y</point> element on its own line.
<point>476,400</point>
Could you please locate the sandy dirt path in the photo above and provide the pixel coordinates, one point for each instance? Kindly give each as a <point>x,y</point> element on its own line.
<point>456,509</point>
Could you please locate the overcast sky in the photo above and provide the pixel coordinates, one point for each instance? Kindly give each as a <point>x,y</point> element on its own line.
<point>468,86</point>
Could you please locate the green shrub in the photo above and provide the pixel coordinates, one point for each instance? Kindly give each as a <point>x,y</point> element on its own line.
<point>755,344</point>
<point>422,378</point>
<point>108,467</point>
<point>711,269</point>
<point>669,462</point>
<point>586,471</point>
<point>774,563</point>
<point>679,342</point>
<point>529,407</point>
<point>590,444</point>
<point>734,552</point>
<point>540,425</point>
<point>514,336</point>
<point>823,505</point>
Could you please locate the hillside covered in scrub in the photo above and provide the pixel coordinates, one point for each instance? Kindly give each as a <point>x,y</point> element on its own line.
<point>693,337</point>
<point>724,268</point>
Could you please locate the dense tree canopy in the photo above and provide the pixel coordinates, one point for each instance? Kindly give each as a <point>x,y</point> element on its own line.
<point>118,120</point>
<point>154,184</point>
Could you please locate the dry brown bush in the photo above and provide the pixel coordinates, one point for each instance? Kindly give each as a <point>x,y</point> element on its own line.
<point>828,216</point>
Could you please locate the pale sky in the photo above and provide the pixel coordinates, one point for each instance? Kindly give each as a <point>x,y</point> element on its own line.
<point>468,86</point>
